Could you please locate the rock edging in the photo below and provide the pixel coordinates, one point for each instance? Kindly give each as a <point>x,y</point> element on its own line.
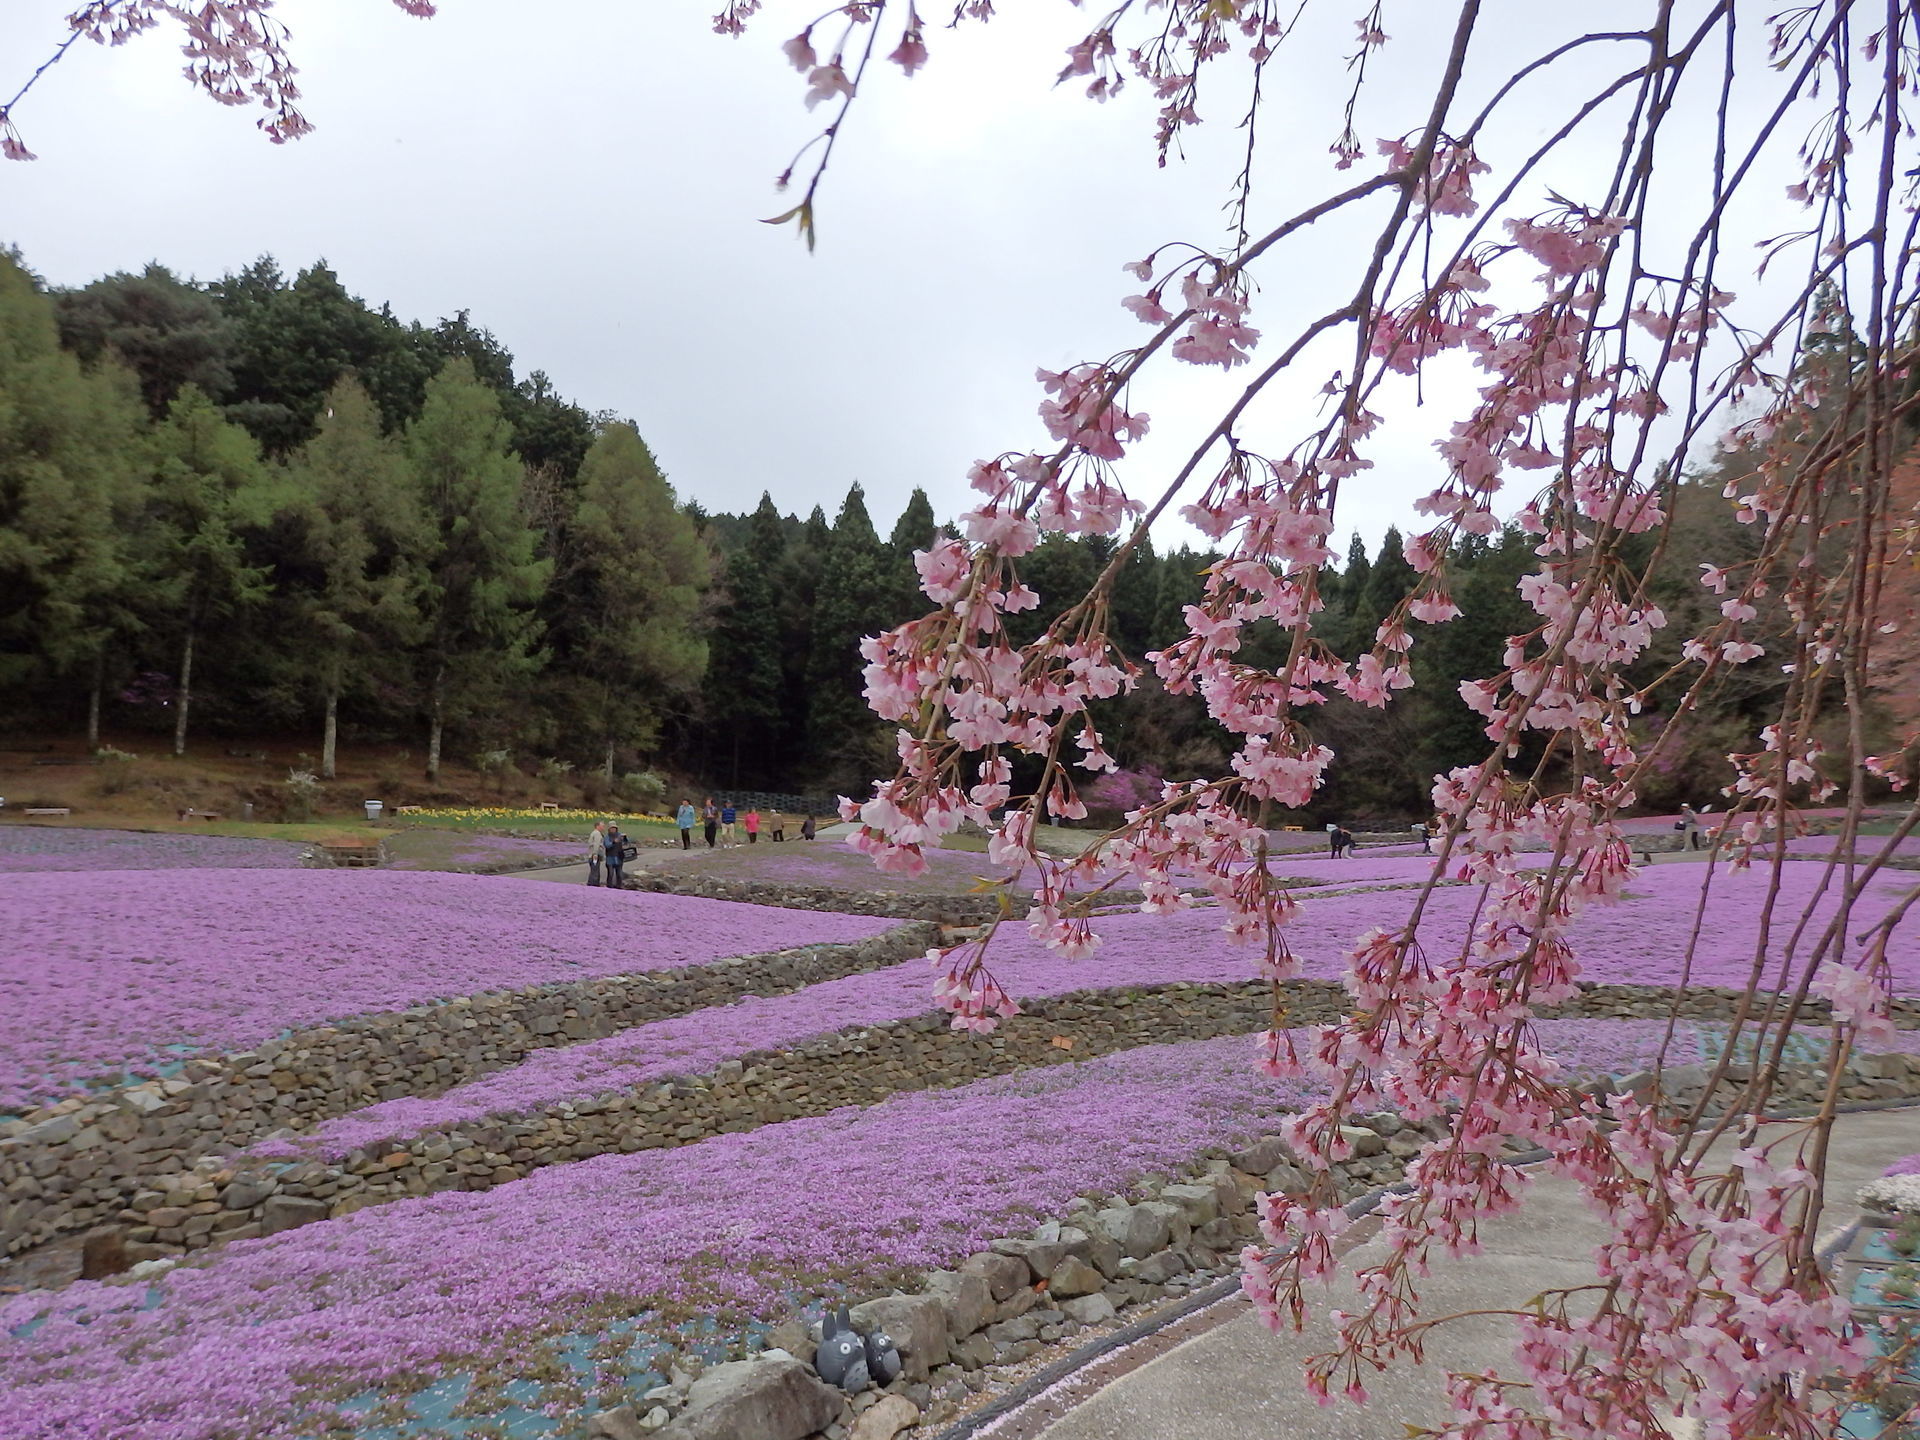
<point>80,1162</point>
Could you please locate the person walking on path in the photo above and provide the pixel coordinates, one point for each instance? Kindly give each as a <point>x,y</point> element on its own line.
<point>710,820</point>
<point>1333,840</point>
<point>806,827</point>
<point>1425,831</point>
<point>1342,839</point>
<point>685,818</point>
<point>596,851</point>
<point>616,850</point>
<point>1690,824</point>
<point>729,819</point>
<point>779,826</point>
<point>753,827</point>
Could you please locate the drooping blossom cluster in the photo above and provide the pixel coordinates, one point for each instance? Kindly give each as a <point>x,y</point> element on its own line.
<point>1603,350</point>
<point>236,51</point>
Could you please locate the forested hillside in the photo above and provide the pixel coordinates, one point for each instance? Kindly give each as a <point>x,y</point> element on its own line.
<point>259,506</point>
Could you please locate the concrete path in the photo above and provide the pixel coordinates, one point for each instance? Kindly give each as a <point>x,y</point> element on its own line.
<point>1238,1380</point>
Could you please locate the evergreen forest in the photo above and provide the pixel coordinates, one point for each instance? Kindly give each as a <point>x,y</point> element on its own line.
<point>259,506</point>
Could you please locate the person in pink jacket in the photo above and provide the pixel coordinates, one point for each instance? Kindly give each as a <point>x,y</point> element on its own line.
<point>753,827</point>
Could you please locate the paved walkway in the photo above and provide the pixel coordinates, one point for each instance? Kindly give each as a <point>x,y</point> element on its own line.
<point>1239,1380</point>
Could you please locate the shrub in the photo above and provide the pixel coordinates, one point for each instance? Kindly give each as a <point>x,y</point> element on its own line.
<point>555,770</point>
<point>644,790</point>
<point>116,769</point>
<point>303,790</point>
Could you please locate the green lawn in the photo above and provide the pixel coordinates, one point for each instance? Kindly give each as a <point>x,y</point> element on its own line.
<point>565,825</point>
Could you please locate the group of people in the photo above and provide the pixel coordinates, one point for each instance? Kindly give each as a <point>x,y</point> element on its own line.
<point>1340,839</point>
<point>609,849</point>
<point>723,823</point>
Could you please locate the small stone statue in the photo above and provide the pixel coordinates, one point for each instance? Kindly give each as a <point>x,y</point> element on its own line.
<point>852,1362</point>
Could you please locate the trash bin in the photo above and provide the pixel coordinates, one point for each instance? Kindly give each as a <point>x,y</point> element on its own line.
<point>246,810</point>
<point>374,807</point>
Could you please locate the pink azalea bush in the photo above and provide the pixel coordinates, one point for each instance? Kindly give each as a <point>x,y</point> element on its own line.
<point>58,847</point>
<point>117,972</point>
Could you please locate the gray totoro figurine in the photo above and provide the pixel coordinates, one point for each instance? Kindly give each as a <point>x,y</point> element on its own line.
<point>841,1354</point>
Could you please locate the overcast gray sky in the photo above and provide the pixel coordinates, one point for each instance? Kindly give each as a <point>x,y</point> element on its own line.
<point>586,177</point>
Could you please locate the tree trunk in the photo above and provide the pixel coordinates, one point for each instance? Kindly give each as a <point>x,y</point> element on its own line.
<point>609,764</point>
<point>331,729</point>
<point>93,702</point>
<point>185,698</point>
<point>436,704</point>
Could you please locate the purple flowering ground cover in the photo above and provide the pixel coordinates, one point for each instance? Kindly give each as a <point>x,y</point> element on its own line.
<point>117,972</point>
<point>60,847</point>
<point>1640,942</point>
<point>259,1338</point>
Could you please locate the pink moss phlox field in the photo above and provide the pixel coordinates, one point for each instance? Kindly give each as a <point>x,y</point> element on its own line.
<point>53,847</point>
<point>1905,1165</point>
<point>1865,847</point>
<point>113,972</point>
<point>737,1225</point>
<point>734,1225</point>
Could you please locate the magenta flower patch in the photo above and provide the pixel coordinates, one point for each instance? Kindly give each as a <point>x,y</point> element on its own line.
<point>104,974</point>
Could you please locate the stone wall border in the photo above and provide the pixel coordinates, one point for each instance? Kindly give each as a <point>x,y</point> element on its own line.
<point>79,1162</point>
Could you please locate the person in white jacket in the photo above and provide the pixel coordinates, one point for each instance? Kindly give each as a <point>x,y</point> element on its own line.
<point>596,851</point>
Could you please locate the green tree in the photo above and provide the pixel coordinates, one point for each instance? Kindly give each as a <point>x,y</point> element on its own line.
<point>70,458</point>
<point>166,331</point>
<point>353,528</point>
<point>208,489</point>
<point>851,602</point>
<point>293,343</point>
<point>745,690</point>
<point>914,530</point>
<point>638,568</point>
<point>481,578</point>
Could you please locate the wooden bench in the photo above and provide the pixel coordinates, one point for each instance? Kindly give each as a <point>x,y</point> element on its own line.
<point>549,804</point>
<point>49,810</point>
<point>199,814</point>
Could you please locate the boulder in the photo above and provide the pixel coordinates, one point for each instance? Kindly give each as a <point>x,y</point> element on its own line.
<point>1004,1274</point>
<point>1364,1141</point>
<point>1137,1230</point>
<point>1088,1309</point>
<point>794,1336</point>
<point>247,1192</point>
<point>289,1212</point>
<point>973,1352</point>
<point>1161,1267</point>
<point>1073,1277</point>
<point>756,1400</point>
<point>1199,1203</point>
<point>1288,1180</point>
<point>619,1423</point>
<point>917,1325</point>
<point>966,1299</point>
<point>1261,1156</point>
<point>886,1419</point>
<point>1178,1231</point>
<point>1216,1234</point>
<point>1041,1255</point>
